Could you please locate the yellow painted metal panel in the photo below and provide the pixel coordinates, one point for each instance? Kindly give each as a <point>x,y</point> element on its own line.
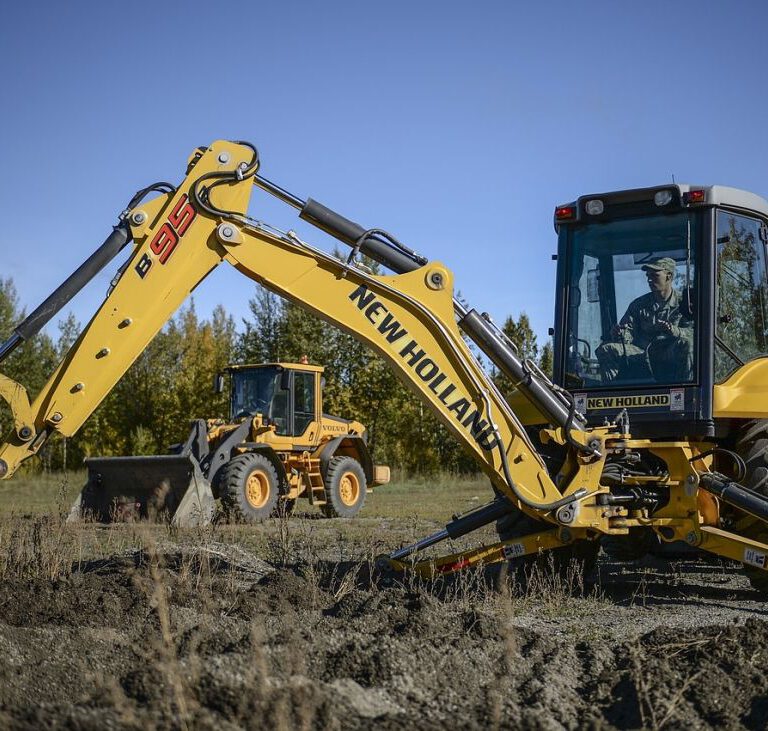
<point>744,395</point>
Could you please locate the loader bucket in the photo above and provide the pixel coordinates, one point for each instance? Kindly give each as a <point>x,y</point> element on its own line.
<point>169,488</point>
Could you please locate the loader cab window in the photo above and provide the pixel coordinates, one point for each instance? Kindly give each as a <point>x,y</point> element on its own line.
<point>741,322</point>
<point>258,391</point>
<point>303,401</point>
<point>631,298</point>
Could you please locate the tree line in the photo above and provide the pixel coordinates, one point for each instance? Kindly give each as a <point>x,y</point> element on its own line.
<point>171,382</point>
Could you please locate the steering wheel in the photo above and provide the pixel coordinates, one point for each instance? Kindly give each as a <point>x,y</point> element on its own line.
<point>650,357</point>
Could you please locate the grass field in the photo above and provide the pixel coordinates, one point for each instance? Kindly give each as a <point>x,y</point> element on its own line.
<point>36,494</point>
<point>394,515</point>
<point>436,498</point>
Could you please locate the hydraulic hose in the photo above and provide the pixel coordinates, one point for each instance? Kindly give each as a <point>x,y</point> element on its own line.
<point>201,194</point>
<point>42,315</point>
<point>541,507</point>
<point>53,304</point>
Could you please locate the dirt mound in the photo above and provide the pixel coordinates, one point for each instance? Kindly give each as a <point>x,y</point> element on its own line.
<point>143,641</point>
<point>104,597</point>
<point>712,677</point>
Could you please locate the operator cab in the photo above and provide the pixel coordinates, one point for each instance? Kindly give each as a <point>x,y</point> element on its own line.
<point>662,295</point>
<point>285,394</point>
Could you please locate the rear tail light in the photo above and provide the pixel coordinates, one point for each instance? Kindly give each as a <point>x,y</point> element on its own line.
<point>565,213</point>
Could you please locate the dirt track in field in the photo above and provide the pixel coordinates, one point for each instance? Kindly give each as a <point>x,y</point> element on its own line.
<point>216,638</point>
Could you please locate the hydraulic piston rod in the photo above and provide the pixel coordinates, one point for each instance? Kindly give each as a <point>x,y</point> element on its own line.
<point>348,232</point>
<point>41,316</point>
<point>459,526</point>
<point>735,494</point>
<point>550,404</point>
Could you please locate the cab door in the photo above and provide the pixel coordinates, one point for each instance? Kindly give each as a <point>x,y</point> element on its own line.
<point>304,393</point>
<point>741,324</point>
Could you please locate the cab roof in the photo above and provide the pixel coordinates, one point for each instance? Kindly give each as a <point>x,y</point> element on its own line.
<point>282,364</point>
<point>722,195</point>
<point>714,195</point>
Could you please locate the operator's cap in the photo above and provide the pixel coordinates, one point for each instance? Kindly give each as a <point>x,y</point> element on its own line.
<point>664,264</point>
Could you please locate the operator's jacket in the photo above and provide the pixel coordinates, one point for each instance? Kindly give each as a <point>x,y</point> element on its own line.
<point>640,322</point>
<point>672,356</point>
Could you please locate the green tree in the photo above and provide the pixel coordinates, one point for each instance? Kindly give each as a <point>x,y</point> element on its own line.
<point>260,340</point>
<point>547,360</point>
<point>33,361</point>
<point>168,385</point>
<point>69,332</point>
<point>521,334</point>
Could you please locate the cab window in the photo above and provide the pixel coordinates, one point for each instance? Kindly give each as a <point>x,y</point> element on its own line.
<point>632,302</point>
<point>741,324</point>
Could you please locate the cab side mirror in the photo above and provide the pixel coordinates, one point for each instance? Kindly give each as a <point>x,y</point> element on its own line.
<point>218,383</point>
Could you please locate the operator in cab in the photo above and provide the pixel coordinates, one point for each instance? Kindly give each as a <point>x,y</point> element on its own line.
<point>654,339</point>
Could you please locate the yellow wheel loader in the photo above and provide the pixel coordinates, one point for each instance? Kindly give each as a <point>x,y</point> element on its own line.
<point>654,429</point>
<point>279,446</point>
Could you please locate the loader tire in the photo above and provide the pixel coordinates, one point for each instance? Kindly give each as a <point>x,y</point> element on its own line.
<point>631,547</point>
<point>249,488</point>
<point>752,447</point>
<point>345,486</point>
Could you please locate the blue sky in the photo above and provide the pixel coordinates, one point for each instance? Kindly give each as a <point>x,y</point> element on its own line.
<point>456,126</point>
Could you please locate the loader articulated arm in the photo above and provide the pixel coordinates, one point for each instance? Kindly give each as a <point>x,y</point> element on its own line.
<point>410,317</point>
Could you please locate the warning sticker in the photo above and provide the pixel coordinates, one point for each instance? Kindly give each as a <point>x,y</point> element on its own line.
<point>513,550</point>
<point>754,558</point>
<point>677,399</point>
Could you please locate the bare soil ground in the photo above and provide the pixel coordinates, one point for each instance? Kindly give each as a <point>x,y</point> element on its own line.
<point>283,626</point>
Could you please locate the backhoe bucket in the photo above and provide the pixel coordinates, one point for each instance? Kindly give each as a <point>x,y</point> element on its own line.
<point>168,488</point>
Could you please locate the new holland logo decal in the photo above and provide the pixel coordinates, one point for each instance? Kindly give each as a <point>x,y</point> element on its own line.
<point>627,402</point>
<point>425,369</point>
<point>673,401</point>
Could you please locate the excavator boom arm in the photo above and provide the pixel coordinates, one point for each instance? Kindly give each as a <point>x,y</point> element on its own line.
<point>412,320</point>
<point>409,318</point>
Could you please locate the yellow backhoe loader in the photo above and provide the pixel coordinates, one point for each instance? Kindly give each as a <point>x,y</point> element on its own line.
<point>653,429</point>
<point>278,446</point>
